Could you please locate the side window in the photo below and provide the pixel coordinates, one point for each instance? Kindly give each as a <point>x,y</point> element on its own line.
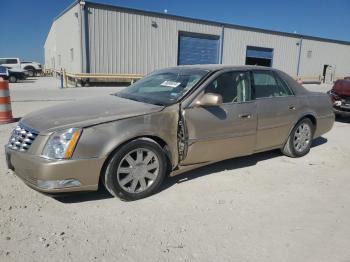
<point>232,86</point>
<point>284,89</point>
<point>268,85</point>
<point>11,61</point>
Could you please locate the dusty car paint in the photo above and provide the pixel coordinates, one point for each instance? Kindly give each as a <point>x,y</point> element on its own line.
<point>190,135</point>
<point>77,114</point>
<point>271,130</point>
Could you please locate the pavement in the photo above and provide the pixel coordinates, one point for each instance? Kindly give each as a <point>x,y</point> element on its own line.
<point>264,207</point>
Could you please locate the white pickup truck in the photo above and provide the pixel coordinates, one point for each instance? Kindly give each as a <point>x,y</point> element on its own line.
<point>33,68</point>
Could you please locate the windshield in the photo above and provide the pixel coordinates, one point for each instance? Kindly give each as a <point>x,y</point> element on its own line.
<point>164,87</point>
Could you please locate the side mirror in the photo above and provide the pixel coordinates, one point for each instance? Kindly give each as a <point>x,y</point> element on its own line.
<point>209,99</point>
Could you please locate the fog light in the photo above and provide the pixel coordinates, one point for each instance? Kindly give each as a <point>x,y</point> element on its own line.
<point>57,184</point>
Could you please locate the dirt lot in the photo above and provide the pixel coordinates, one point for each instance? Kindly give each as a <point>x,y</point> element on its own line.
<point>265,207</point>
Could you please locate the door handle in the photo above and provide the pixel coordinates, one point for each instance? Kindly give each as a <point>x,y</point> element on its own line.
<point>245,116</point>
<point>291,107</point>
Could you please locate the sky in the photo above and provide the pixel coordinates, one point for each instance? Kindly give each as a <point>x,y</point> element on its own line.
<point>26,23</point>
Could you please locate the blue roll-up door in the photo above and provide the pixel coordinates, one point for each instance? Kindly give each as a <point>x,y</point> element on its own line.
<point>198,49</point>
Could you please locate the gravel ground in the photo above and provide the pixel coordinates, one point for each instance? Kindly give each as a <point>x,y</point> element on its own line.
<point>265,207</point>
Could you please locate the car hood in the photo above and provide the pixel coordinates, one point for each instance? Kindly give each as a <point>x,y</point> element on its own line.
<point>86,112</point>
<point>342,88</point>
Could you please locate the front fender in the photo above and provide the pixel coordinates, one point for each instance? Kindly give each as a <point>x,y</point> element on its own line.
<point>101,140</point>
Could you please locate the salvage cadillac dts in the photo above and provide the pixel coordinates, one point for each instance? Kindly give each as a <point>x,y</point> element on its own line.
<point>171,121</point>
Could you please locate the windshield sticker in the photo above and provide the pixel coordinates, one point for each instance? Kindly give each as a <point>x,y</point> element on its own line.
<point>170,83</point>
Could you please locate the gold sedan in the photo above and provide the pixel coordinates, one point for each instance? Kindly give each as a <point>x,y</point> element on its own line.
<point>171,121</point>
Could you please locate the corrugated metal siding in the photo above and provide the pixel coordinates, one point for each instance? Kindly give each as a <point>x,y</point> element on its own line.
<point>128,43</point>
<point>50,47</point>
<point>323,53</point>
<point>63,36</point>
<point>122,41</point>
<point>285,50</point>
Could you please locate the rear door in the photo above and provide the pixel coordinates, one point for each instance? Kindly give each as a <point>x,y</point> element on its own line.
<point>277,109</point>
<point>225,131</point>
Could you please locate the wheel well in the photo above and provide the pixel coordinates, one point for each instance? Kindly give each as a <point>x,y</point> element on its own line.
<point>29,68</point>
<point>156,139</point>
<point>312,119</point>
<point>308,116</point>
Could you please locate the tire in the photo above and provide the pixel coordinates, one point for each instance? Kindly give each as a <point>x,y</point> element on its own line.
<point>126,174</point>
<point>300,139</point>
<point>31,73</point>
<point>13,79</point>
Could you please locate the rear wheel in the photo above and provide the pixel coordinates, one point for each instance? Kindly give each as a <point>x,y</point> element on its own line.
<point>136,170</point>
<point>300,139</point>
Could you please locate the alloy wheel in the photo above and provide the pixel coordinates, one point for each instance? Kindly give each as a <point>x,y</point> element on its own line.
<point>137,170</point>
<point>302,137</point>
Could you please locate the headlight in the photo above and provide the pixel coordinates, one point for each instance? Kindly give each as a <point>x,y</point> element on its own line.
<point>61,144</point>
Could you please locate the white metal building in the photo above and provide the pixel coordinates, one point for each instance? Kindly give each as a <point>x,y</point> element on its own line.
<point>96,38</point>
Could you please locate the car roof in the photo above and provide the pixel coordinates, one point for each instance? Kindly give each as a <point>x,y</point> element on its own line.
<point>294,85</point>
<point>216,67</point>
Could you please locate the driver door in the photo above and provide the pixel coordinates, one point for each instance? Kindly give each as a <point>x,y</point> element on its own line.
<point>226,130</point>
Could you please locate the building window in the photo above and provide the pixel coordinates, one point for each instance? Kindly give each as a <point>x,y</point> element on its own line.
<point>309,54</point>
<point>260,56</point>
<point>72,54</point>
<point>196,49</point>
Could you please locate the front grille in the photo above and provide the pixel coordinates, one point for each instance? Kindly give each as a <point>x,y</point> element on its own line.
<point>345,99</point>
<point>22,138</point>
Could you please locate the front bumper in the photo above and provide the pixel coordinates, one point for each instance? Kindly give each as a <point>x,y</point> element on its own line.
<point>341,111</point>
<point>35,171</point>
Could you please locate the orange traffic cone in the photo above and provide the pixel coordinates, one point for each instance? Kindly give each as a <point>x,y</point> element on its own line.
<point>5,103</point>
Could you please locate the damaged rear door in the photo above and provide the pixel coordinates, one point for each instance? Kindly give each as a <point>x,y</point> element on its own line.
<point>214,133</point>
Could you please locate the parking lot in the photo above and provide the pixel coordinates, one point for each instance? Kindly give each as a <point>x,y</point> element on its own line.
<point>264,207</point>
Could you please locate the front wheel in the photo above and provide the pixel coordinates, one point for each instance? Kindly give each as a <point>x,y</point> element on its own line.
<point>12,79</point>
<point>300,139</point>
<point>136,170</point>
<point>31,73</point>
